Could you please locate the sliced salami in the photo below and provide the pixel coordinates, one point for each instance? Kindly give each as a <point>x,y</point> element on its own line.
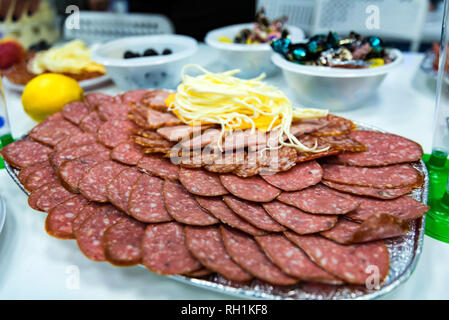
<point>127,153</point>
<point>110,111</point>
<point>297,220</point>
<point>85,213</point>
<point>393,176</point>
<point>246,253</point>
<point>379,193</point>
<point>119,190</point>
<point>201,182</point>
<point>75,141</point>
<point>164,250</point>
<point>24,153</point>
<point>59,157</point>
<point>222,212</point>
<point>134,96</point>
<point>320,199</point>
<point>122,242</point>
<point>182,206</point>
<point>159,166</point>
<point>253,213</point>
<point>352,263</point>
<point>39,177</point>
<point>25,172</point>
<point>53,196</point>
<point>203,272</point>
<point>91,123</point>
<point>50,132</point>
<point>75,111</point>
<point>146,202</point>
<point>93,99</point>
<point>156,99</point>
<point>292,260</point>
<point>113,132</point>
<point>36,194</point>
<point>253,188</point>
<point>297,178</point>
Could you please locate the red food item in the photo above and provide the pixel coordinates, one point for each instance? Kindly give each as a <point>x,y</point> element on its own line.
<point>25,172</point>
<point>40,177</point>
<point>91,123</point>
<point>93,99</point>
<point>75,111</point>
<point>156,99</point>
<point>253,188</point>
<point>11,52</point>
<point>380,193</point>
<point>156,119</point>
<point>159,166</point>
<point>110,111</point>
<point>75,141</point>
<point>134,96</point>
<point>51,197</point>
<point>113,132</point>
<point>127,153</point>
<point>24,153</point>
<point>119,190</point>
<point>201,182</point>
<point>85,213</point>
<point>57,158</point>
<point>51,132</point>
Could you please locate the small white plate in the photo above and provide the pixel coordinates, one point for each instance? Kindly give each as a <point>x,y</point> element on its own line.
<point>2,213</point>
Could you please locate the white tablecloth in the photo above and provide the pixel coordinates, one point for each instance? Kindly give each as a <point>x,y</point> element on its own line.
<point>34,265</point>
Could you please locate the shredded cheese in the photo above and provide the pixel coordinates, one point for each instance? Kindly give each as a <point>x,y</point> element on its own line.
<point>234,103</point>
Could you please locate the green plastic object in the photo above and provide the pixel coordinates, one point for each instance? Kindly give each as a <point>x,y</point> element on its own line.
<point>4,140</point>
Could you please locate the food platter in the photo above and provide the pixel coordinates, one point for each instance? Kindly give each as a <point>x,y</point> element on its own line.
<point>404,254</point>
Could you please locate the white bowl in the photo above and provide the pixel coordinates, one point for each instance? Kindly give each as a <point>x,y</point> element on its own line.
<point>336,89</point>
<point>163,71</point>
<point>251,59</point>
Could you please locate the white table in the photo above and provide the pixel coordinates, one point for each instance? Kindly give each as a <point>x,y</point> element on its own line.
<point>34,265</point>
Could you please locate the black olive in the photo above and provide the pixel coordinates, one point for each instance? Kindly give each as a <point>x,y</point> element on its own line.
<point>130,55</point>
<point>150,52</point>
<point>167,51</point>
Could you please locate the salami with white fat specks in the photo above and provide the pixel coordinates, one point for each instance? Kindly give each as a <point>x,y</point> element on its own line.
<point>57,158</point>
<point>76,140</point>
<point>51,197</point>
<point>127,153</point>
<point>50,132</point>
<point>91,123</point>
<point>75,111</point>
<point>297,178</point>
<point>320,199</point>
<point>89,236</point>
<point>119,190</point>
<point>379,193</point>
<point>158,166</point>
<point>164,250</point>
<point>122,242</point>
<point>201,182</point>
<point>183,207</point>
<point>397,175</point>
<point>24,153</point>
<point>382,149</point>
<point>252,188</point>
<point>253,213</point>
<point>134,96</point>
<point>113,132</point>
<point>352,263</point>
<point>110,111</point>
<point>25,172</point>
<point>297,220</point>
<point>94,182</point>
<point>85,213</point>
<point>206,244</point>
<point>246,253</point>
<point>146,202</point>
<point>292,260</point>
<point>39,177</point>
<point>93,99</point>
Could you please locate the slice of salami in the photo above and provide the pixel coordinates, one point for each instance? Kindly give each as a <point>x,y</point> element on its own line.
<point>93,99</point>
<point>53,196</point>
<point>320,199</point>
<point>156,99</point>
<point>134,96</point>
<point>206,244</point>
<point>127,153</point>
<point>50,132</point>
<point>72,171</point>
<point>164,250</point>
<point>352,263</point>
<point>59,157</point>
<point>292,260</point>
<point>297,220</point>
<point>146,202</point>
<point>75,111</point>
<point>110,111</point>
<point>222,212</point>
<point>379,193</point>
<point>24,153</point>
<point>85,213</point>
<point>253,188</point>
<point>121,242</point>
<point>159,166</point>
<point>39,177</point>
<point>94,182</point>
<point>382,149</point>
<point>405,208</point>
<point>246,253</point>
<point>201,182</point>
<point>25,172</point>
<point>77,140</point>
<point>113,132</point>
<point>253,213</point>
<point>59,219</point>
<point>182,206</point>
<point>89,236</point>
<point>118,191</point>
<point>91,123</point>
<point>297,178</point>
<point>203,272</point>
<point>397,175</point>
<point>36,194</point>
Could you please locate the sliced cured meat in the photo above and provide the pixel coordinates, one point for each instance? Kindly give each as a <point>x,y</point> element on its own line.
<point>119,190</point>
<point>253,213</point>
<point>36,194</point>
<point>93,99</point>
<point>380,193</point>
<point>164,250</point>
<point>405,208</point>
<point>292,260</point>
<point>25,172</point>
<point>253,188</point>
<point>382,149</point>
<point>177,133</point>
<point>246,253</point>
<point>182,206</point>
<point>59,157</point>
<point>24,153</point>
<point>146,202</point>
<point>77,140</point>
<point>206,244</point>
<point>121,242</point>
<point>156,119</point>
<point>39,177</point>
<point>306,126</point>
<point>352,263</point>
<point>134,96</point>
<point>377,227</point>
<point>91,123</point>
<point>127,153</point>
<point>110,111</point>
<point>199,273</point>
<point>90,234</point>
<point>85,213</point>
<point>153,142</point>
<point>244,138</point>
<point>297,220</point>
<point>113,132</point>
<point>156,99</point>
<point>75,111</point>
<point>393,176</point>
<point>299,177</point>
<point>334,126</point>
<point>198,141</point>
<point>201,182</point>
<point>59,219</point>
<point>71,171</point>
<point>52,196</point>
<point>51,132</point>
<point>222,212</point>
<point>159,166</point>
<point>320,199</point>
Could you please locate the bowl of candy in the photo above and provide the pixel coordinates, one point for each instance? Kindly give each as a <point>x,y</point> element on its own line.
<point>153,61</point>
<point>247,46</point>
<point>333,72</point>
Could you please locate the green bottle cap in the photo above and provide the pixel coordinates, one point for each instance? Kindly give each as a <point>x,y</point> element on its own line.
<point>438,158</point>
<point>437,219</point>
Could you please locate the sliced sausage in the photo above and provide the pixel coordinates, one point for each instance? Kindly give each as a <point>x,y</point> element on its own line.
<point>159,166</point>
<point>379,193</point>
<point>201,182</point>
<point>253,188</point>
<point>24,153</point>
<point>119,190</point>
